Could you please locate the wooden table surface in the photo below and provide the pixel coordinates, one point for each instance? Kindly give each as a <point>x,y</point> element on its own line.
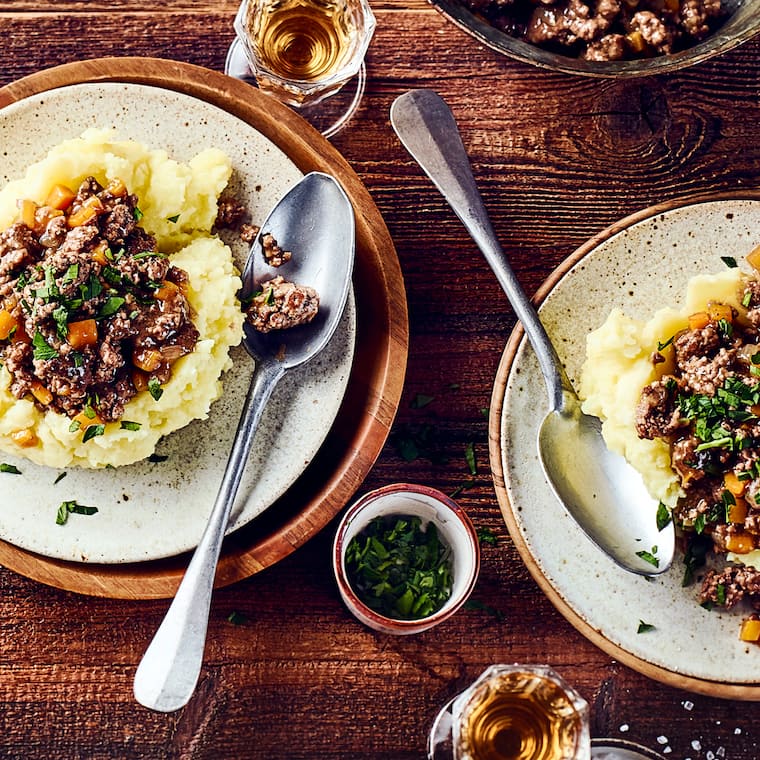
<point>558,158</point>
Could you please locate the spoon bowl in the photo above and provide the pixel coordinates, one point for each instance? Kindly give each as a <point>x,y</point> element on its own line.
<point>599,489</point>
<point>315,220</point>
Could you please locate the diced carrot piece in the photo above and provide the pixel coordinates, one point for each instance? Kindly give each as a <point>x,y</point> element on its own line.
<point>750,630</point>
<point>698,320</point>
<point>89,209</point>
<point>139,380</point>
<point>82,333</point>
<point>717,310</point>
<point>85,421</point>
<point>20,336</point>
<point>60,197</point>
<point>753,258</point>
<point>41,393</point>
<point>81,216</point>
<point>733,484</point>
<point>636,41</point>
<point>7,324</point>
<point>740,543</point>
<point>166,290</point>
<point>737,513</point>
<point>99,253</point>
<point>28,210</point>
<point>147,360</point>
<point>24,438</point>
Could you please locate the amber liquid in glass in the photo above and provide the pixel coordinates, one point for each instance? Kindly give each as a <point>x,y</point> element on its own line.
<point>302,40</point>
<point>519,716</point>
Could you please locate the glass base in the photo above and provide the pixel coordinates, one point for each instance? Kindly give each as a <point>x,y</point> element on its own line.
<point>329,116</point>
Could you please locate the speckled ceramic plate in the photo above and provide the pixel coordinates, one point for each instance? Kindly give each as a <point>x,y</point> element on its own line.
<point>639,265</point>
<point>152,510</point>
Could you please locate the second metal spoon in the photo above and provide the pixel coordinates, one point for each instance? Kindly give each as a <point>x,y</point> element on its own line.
<point>599,489</point>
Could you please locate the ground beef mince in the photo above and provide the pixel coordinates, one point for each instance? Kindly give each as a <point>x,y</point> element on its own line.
<point>605,30</point>
<point>706,405</point>
<point>280,305</point>
<point>91,312</point>
<point>273,254</point>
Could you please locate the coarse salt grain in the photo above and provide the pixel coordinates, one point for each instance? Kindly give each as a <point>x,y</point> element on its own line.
<point>667,751</point>
<point>662,739</point>
<point>720,752</point>
<point>710,755</point>
<point>737,731</point>
<point>688,705</point>
<point>696,744</point>
<point>624,728</point>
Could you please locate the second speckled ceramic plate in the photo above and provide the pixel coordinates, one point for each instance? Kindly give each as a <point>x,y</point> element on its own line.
<point>638,265</point>
<point>152,510</point>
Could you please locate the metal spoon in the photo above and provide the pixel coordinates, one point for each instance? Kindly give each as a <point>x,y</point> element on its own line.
<point>604,494</point>
<point>315,221</point>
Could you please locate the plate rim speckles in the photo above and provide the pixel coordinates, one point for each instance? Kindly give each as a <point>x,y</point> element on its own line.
<point>625,263</point>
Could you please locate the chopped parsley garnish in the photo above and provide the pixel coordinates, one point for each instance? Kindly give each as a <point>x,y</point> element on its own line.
<point>93,431</point>
<point>237,618</point>
<point>729,261</point>
<point>469,456</point>
<point>644,627</point>
<point>74,426</point>
<point>476,604</point>
<point>156,458</point>
<point>486,536</point>
<point>663,516</point>
<point>733,401</point>
<point>72,507</point>
<point>649,556</point>
<point>663,346</point>
<point>11,469</point>
<point>695,556</point>
<point>155,389</point>
<point>462,487</point>
<point>61,319</point>
<point>42,349</point>
<point>420,401</point>
<point>110,307</point>
<point>91,289</point>
<point>71,274</point>
<point>398,569</point>
<point>137,214</point>
<point>59,478</point>
<point>172,219</point>
<point>127,425</point>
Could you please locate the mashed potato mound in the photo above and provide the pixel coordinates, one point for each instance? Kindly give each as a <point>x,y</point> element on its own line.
<point>618,365</point>
<point>179,205</point>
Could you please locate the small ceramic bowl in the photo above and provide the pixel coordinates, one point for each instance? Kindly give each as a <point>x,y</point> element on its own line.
<point>454,528</point>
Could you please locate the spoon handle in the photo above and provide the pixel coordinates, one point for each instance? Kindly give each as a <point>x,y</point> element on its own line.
<point>427,129</point>
<point>169,670</point>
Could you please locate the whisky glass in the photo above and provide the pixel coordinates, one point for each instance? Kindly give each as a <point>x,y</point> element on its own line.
<point>513,712</point>
<point>304,53</point>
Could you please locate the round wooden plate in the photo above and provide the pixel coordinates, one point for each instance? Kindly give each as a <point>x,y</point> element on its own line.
<point>586,566</point>
<point>377,375</point>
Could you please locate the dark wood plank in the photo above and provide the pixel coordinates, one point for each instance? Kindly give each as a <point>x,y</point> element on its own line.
<point>558,159</point>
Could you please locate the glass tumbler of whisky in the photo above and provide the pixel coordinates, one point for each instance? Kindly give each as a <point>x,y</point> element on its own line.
<point>304,52</point>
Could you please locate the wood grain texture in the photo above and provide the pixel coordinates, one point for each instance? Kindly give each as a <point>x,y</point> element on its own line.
<point>558,159</point>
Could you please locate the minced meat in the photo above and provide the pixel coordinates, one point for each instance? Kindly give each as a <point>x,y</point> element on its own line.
<point>91,311</point>
<point>707,408</point>
<point>280,305</point>
<point>605,30</point>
